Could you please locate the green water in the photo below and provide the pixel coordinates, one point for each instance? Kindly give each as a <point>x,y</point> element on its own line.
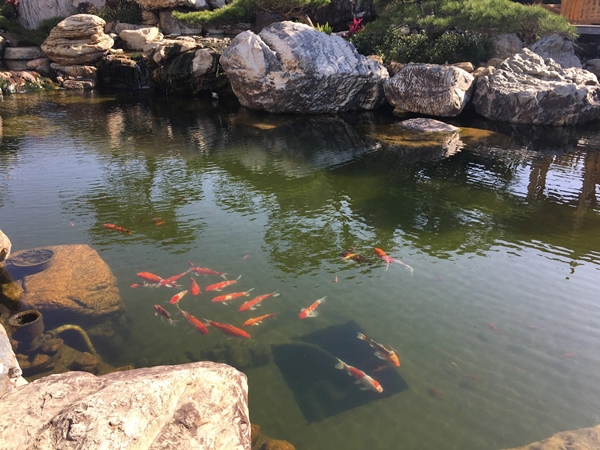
<point>503,229</point>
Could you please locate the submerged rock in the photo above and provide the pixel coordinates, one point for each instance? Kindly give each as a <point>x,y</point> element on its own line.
<point>5,247</point>
<point>201,405</point>
<point>10,372</point>
<point>581,439</point>
<point>291,67</point>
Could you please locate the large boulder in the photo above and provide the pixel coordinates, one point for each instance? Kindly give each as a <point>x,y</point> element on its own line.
<point>530,90</point>
<point>137,39</point>
<point>78,287</point>
<point>505,45</point>
<point>32,12</point>
<point>291,67</point>
<point>559,48</point>
<point>79,39</point>
<point>431,89</point>
<point>200,405</point>
<point>5,247</point>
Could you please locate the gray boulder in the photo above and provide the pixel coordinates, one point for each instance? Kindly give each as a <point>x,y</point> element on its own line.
<point>171,25</point>
<point>431,89</point>
<point>559,48</point>
<point>530,90</point>
<point>192,406</point>
<point>506,45</point>
<point>32,12</point>
<point>291,67</point>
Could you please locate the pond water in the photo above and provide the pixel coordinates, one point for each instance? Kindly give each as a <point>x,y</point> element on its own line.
<point>497,326</point>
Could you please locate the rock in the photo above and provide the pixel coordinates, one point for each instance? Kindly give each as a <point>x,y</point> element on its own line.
<point>120,26</point>
<point>506,45</point>
<point>277,445</point>
<point>16,81</point>
<point>87,72</point>
<point>5,247</point>
<point>159,52</point>
<point>431,89</point>
<point>593,65</point>
<point>10,291</point>
<point>170,25</point>
<point>79,85</point>
<point>466,66</point>
<point>122,72</point>
<point>428,125</point>
<point>86,362</point>
<point>199,405</point>
<point>559,48</point>
<point>149,18</point>
<point>32,12</point>
<point>136,40</point>
<point>394,67</point>
<point>77,288</point>
<point>79,39</point>
<point>10,372</point>
<point>35,64</point>
<point>197,5</point>
<point>291,67</point>
<point>581,439</point>
<point>26,53</point>
<point>527,89</point>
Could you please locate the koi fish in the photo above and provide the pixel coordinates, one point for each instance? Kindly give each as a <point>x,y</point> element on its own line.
<point>388,260</point>
<point>175,299</point>
<point>257,320</point>
<point>162,222</point>
<point>254,303</point>
<point>112,226</point>
<point>194,288</point>
<point>228,329</point>
<point>138,285</point>
<point>195,323</point>
<point>227,297</point>
<point>147,276</point>
<point>361,377</point>
<point>569,355</point>
<point>170,282</point>
<point>205,271</point>
<point>349,254</point>
<point>310,311</point>
<point>492,326</point>
<point>435,392</point>
<point>390,356</point>
<point>163,313</point>
<point>221,285</point>
<point>335,280</point>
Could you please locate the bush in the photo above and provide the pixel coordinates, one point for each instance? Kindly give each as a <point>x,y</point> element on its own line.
<point>30,37</point>
<point>126,11</point>
<point>324,28</point>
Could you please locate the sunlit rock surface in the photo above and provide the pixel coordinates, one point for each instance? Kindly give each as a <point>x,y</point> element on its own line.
<point>559,48</point>
<point>581,439</point>
<point>432,89</point>
<point>32,12</point>
<point>291,67</point>
<point>10,372</point>
<point>192,406</point>
<point>530,90</point>
<point>5,247</point>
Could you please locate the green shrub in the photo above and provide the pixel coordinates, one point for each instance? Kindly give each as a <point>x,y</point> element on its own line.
<point>327,29</point>
<point>126,11</point>
<point>30,37</point>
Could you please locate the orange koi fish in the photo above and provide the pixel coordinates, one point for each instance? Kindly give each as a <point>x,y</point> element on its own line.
<point>170,282</point>
<point>435,392</point>
<point>112,226</point>
<point>492,326</point>
<point>194,288</point>
<point>227,329</point>
<point>310,311</point>
<point>205,271</point>
<point>175,299</point>
<point>381,352</point>
<point>257,320</point>
<point>349,254</point>
<point>361,377</point>
<point>195,323</point>
<point>389,259</point>
<point>227,297</point>
<point>163,313</point>
<point>221,285</point>
<point>254,303</point>
<point>147,276</point>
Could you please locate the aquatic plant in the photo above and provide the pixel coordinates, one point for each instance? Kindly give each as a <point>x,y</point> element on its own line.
<point>327,29</point>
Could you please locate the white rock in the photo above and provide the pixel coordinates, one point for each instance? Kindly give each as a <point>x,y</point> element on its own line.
<point>559,48</point>
<point>26,53</point>
<point>136,40</point>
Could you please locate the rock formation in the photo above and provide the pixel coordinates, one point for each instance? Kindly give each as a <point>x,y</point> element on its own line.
<point>581,439</point>
<point>291,67</point>
<point>559,48</point>
<point>5,247</point>
<point>32,12</point>
<point>10,372</point>
<point>79,39</point>
<point>430,89</point>
<point>530,90</point>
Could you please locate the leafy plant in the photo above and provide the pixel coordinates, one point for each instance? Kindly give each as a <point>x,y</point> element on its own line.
<point>327,29</point>
<point>127,11</point>
<point>30,37</point>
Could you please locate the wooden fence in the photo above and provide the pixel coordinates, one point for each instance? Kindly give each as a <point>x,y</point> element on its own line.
<point>581,12</point>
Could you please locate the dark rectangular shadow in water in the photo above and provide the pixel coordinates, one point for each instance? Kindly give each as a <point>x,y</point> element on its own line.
<point>308,367</point>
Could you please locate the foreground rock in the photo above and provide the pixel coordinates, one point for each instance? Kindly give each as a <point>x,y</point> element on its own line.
<point>431,89</point>
<point>530,90</point>
<point>79,39</point>
<point>581,439</point>
<point>5,247</point>
<point>10,372</point>
<point>291,67</point>
<point>201,405</point>
<point>78,287</point>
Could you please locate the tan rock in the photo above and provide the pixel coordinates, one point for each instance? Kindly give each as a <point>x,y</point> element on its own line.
<point>78,287</point>
<point>87,72</point>
<point>37,63</point>
<point>137,39</point>
<point>581,439</point>
<point>10,372</point>
<point>200,405</point>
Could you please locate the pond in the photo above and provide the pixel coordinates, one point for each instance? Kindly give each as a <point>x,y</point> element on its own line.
<point>497,324</point>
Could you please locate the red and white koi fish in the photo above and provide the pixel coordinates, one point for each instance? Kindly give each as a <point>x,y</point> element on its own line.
<point>195,323</point>
<point>205,271</point>
<point>228,297</point>
<point>227,329</point>
<point>221,285</point>
<point>147,276</point>
<point>310,311</point>
<point>254,303</point>
<point>388,260</point>
<point>381,352</point>
<point>194,288</point>
<point>170,282</point>
<point>257,320</point>
<point>361,377</point>
<point>175,299</point>
<point>163,313</point>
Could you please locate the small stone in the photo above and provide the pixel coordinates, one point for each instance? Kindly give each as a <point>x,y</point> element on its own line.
<point>86,359</point>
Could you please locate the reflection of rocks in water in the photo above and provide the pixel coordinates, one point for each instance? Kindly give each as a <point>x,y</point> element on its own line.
<point>241,355</point>
<point>261,441</point>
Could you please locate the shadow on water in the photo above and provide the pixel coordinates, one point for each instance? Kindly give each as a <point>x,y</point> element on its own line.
<point>321,390</point>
